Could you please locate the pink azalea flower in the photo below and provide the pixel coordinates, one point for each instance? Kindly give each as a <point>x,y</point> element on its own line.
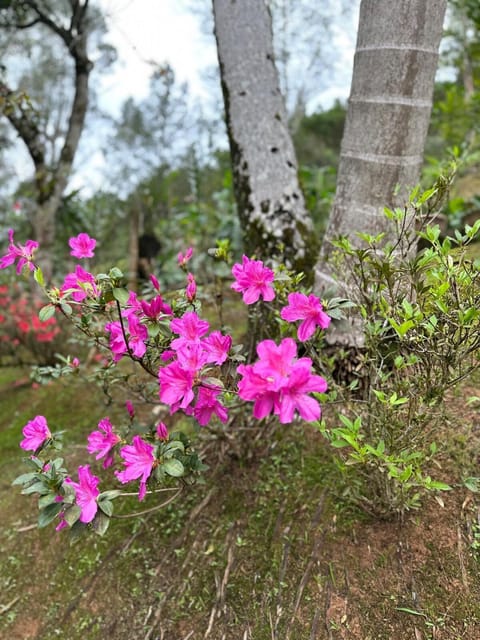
<point>280,383</point>
<point>82,246</point>
<point>155,283</point>
<point>137,335</point>
<point>118,345</point>
<point>162,431</point>
<point>24,253</point>
<point>35,432</point>
<point>207,405</point>
<point>253,280</point>
<point>167,355</point>
<point>176,386</point>
<point>256,388</point>
<point>103,441</point>
<point>192,357</point>
<point>190,329</point>
<point>139,460</point>
<point>155,308</point>
<point>86,493</point>
<point>191,290</point>
<point>306,308</point>
<point>75,363</point>
<point>183,259</point>
<point>80,284</point>
<point>130,409</point>
<point>217,347</point>
<point>63,524</point>
<point>133,306</point>
<point>294,396</point>
<point>275,362</point>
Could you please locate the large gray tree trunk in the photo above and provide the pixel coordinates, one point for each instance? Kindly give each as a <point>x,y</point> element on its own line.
<point>387,120</point>
<point>271,206</point>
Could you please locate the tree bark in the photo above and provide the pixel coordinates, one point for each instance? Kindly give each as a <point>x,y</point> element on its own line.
<point>271,207</point>
<point>387,119</point>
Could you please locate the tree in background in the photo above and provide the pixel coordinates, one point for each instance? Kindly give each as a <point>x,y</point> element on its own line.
<point>150,133</point>
<point>387,119</point>
<point>456,113</point>
<point>270,202</point>
<point>38,102</point>
<point>307,54</point>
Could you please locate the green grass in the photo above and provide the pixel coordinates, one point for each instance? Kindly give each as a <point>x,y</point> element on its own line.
<point>275,549</point>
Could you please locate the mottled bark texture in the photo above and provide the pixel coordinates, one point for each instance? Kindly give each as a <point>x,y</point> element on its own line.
<point>271,207</point>
<point>387,120</point>
<point>51,181</point>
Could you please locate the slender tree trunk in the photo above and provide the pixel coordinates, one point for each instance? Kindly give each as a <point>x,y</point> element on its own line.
<point>51,181</point>
<point>387,120</point>
<point>271,207</point>
<point>49,199</point>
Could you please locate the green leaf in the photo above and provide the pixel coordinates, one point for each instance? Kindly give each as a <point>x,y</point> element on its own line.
<point>472,483</point>
<point>426,195</point>
<point>100,523</point>
<point>36,487</point>
<point>346,421</point>
<point>401,329</point>
<point>115,274</point>
<point>121,295</point>
<point>77,530</point>
<point>439,486</point>
<point>213,382</point>
<point>38,276</point>
<point>72,514</point>
<point>339,444</point>
<point>394,400</point>
<point>106,506</point>
<point>48,514</point>
<point>380,395</point>
<point>66,308</point>
<point>44,501</point>
<point>399,362</point>
<point>110,495</point>
<point>57,463</point>
<point>173,467</point>
<point>25,477</point>
<point>406,473</point>
<point>153,330</point>
<point>175,445</point>
<point>46,312</point>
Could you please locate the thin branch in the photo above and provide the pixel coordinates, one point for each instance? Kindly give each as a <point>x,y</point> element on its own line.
<point>45,19</point>
<point>18,25</point>
<point>136,514</point>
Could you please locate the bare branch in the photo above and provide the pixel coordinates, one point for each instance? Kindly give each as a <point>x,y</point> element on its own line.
<point>18,25</point>
<point>45,19</point>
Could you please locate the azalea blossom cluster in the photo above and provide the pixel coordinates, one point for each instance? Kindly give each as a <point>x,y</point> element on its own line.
<point>139,459</point>
<point>175,344</point>
<point>19,319</point>
<point>191,353</point>
<point>279,382</point>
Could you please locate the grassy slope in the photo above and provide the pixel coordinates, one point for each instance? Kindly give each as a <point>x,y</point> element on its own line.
<point>265,550</point>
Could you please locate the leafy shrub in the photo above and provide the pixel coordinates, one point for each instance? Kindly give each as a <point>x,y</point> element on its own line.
<point>419,315</point>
